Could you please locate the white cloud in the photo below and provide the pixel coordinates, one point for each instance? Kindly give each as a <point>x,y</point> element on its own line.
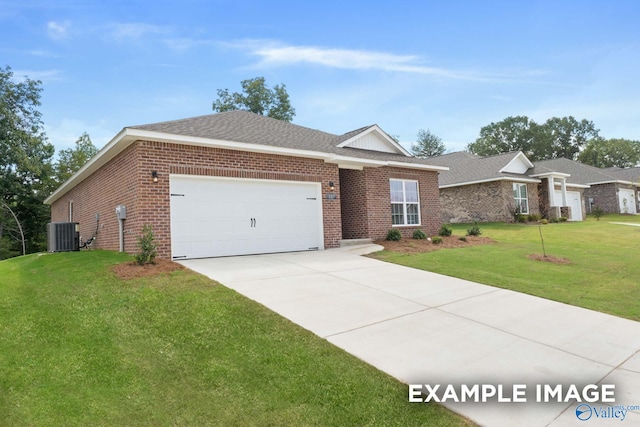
<point>276,54</point>
<point>58,30</point>
<point>43,75</point>
<point>66,132</point>
<point>133,30</point>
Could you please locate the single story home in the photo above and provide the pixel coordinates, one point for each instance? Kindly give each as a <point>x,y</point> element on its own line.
<point>495,188</point>
<point>612,189</point>
<point>239,183</point>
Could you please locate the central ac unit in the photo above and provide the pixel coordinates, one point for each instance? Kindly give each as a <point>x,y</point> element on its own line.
<point>63,237</point>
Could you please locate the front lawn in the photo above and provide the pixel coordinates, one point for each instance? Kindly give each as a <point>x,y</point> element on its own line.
<point>603,274</point>
<point>78,346</point>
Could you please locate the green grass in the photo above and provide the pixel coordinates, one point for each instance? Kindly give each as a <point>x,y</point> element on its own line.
<point>604,273</point>
<point>79,346</point>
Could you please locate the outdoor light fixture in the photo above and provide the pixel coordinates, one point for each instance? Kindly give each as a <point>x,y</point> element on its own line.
<point>154,175</point>
<point>331,187</point>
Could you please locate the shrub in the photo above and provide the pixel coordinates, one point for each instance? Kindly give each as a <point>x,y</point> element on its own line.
<point>543,221</point>
<point>436,240</point>
<point>554,220</point>
<point>419,234</point>
<point>533,217</point>
<point>394,235</point>
<point>562,219</point>
<point>445,230</point>
<point>597,212</point>
<point>474,231</point>
<point>462,239</point>
<point>521,218</point>
<point>147,246</point>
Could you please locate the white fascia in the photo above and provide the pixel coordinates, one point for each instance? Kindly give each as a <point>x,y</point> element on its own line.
<point>480,181</point>
<point>128,135</point>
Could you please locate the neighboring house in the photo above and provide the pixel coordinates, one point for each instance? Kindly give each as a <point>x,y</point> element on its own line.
<point>239,183</point>
<point>494,188</point>
<point>615,190</point>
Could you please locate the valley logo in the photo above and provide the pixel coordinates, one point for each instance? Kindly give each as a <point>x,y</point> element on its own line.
<point>586,412</point>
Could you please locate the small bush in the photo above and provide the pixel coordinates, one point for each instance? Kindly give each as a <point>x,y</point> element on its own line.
<point>562,219</point>
<point>474,231</point>
<point>445,231</point>
<point>533,217</point>
<point>521,218</point>
<point>147,246</point>
<point>419,234</point>
<point>597,212</point>
<point>394,235</point>
<point>554,220</point>
<point>462,239</point>
<point>436,240</point>
<point>543,221</point>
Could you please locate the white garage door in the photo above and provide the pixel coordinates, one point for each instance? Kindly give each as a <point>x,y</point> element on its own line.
<point>574,201</point>
<point>627,201</point>
<point>213,217</point>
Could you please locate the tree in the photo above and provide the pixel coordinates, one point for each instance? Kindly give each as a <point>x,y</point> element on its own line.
<point>563,137</point>
<point>71,160</point>
<point>428,145</point>
<point>511,134</point>
<point>557,137</point>
<point>606,153</point>
<point>257,98</point>
<point>25,159</point>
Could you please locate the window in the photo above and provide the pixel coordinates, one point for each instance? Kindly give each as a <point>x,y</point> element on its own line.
<point>405,202</point>
<point>71,211</point>
<point>520,198</point>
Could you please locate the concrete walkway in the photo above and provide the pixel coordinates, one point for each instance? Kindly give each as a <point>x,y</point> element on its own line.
<point>426,328</point>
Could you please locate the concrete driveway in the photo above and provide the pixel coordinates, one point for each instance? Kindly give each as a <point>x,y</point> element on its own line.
<point>426,328</point>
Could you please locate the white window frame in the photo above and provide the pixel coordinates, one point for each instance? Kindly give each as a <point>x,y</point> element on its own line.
<point>518,199</point>
<point>70,210</point>
<point>404,203</point>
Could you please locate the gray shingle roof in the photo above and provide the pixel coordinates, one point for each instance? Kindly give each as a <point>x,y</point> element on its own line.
<point>466,167</point>
<point>247,127</point>
<point>580,173</point>
<point>627,174</point>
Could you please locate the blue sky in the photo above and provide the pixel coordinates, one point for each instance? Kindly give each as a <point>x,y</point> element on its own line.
<point>451,67</point>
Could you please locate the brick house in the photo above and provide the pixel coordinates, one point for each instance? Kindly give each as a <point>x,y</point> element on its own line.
<point>239,183</point>
<point>615,190</point>
<point>492,188</point>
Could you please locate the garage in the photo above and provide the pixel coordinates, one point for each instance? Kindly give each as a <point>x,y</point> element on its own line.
<point>574,201</point>
<point>627,201</point>
<point>213,217</point>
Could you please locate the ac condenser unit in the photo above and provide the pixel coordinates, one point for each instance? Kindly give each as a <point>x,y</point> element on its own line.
<point>63,237</point>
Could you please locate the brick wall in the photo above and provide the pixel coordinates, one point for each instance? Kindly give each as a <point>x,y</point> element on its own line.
<point>377,207</point>
<point>113,184</point>
<point>605,196</point>
<point>353,202</point>
<point>126,179</point>
<point>485,202</point>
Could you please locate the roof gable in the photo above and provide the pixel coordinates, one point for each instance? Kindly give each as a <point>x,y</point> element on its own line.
<point>519,164</point>
<point>375,139</point>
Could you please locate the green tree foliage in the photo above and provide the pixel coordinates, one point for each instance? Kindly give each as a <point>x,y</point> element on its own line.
<point>557,137</point>
<point>428,145</point>
<point>511,134</point>
<point>25,160</point>
<point>606,153</point>
<point>257,98</point>
<point>71,160</point>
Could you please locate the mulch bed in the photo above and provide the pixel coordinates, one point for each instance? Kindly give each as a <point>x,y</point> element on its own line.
<point>414,246</point>
<point>549,258</point>
<point>131,270</point>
